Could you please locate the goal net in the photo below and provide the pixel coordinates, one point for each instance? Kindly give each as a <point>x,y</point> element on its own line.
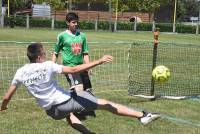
<point>183,60</point>
<point>130,69</point>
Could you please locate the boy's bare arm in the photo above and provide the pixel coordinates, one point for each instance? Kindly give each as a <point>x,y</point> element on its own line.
<point>83,67</point>
<point>7,97</point>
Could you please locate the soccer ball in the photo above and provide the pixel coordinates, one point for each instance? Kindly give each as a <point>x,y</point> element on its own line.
<point>160,74</point>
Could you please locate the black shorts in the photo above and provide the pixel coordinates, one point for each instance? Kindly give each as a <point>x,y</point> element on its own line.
<point>79,78</point>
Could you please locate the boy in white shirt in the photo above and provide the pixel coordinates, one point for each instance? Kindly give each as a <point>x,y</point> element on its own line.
<point>38,77</point>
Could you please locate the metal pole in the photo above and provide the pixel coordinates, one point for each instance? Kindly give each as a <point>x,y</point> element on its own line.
<point>153,26</point>
<point>156,33</point>
<point>8,8</point>
<point>1,7</point>
<point>70,5</point>
<point>135,24</point>
<point>116,16</point>
<point>199,15</point>
<point>66,2</point>
<point>174,23</point>
<point>27,21</point>
<point>110,17</point>
<point>1,13</point>
<point>88,9</point>
<point>197,26</point>
<point>52,22</point>
<point>96,25</point>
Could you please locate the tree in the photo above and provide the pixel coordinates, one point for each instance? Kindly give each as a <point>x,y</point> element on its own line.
<point>150,6</point>
<point>55,4</point>
<point>187,9</point>
<point>19,5</point>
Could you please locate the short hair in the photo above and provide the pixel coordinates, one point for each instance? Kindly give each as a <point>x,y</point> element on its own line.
<point>33,51</point>
<point>71,16</point>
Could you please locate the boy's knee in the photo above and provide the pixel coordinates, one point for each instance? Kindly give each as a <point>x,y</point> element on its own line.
<point>78,87</point>
<point>102,102</point>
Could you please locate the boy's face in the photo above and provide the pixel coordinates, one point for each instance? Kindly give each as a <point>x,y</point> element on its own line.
<point>73,25</point>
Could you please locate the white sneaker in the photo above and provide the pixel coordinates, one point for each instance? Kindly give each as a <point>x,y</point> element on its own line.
<point>148,117</point>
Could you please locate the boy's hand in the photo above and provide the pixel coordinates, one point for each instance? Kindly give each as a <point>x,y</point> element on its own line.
<point>106,58</point>
<point>3,109</point>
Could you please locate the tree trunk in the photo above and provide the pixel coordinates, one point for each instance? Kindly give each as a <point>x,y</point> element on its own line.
<point>151,17</point>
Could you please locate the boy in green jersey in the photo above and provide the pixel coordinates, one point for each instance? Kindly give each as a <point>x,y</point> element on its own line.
<point>74,48</point>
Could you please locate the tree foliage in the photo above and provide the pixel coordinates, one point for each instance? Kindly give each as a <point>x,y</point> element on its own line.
<point>187,9</point>
<point>55,4</point>
<point>140,5</point>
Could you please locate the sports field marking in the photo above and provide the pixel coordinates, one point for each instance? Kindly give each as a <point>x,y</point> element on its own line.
<point>181,121</point>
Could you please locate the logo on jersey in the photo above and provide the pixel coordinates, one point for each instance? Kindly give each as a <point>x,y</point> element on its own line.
<point>34,77</point>
<point>76,48</point>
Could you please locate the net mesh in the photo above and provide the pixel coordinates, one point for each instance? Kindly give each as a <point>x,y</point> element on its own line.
<point>183,60</point>
<point>111,76</point>
<point>131,68</point>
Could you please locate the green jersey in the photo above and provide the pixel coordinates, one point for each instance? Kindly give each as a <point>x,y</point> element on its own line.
<point>72,46</point>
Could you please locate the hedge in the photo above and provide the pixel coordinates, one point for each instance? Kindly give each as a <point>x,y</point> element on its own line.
<point>102,25</point>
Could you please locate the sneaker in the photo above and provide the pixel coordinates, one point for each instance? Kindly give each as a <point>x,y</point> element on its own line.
<point>148,117</point>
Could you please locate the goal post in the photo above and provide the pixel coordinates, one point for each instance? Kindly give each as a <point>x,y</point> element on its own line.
<point>155,47</point>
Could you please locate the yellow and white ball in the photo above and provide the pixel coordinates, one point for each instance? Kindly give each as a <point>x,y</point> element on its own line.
<point>161,74</point>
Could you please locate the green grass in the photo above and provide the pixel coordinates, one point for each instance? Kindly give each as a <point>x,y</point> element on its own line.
<point>24,117</point>
<point>46,35</point>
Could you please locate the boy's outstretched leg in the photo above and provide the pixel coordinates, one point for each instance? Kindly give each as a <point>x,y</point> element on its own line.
<point>77,125</point>
<point>144,117</point>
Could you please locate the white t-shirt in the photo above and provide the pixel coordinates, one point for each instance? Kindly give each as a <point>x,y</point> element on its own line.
<point>39,80</point>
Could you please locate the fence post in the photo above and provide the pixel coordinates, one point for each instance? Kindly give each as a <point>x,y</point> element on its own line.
<point>197,28</point>
<point>110,16</point>
<point>2,20</point>
<point>1,12</point>
<point>135,24</point>
<point>153,26</point>
<point>27,21</point>
<point>115,26</point>
<point>52,22</point>
<point>96,24</point>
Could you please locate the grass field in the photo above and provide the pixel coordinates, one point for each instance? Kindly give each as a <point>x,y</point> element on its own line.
<point>24,116</point>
